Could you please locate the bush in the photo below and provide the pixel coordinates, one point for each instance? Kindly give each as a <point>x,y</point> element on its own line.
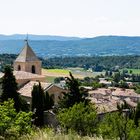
<point>13,124</point>
<point>117,126</point>
<point>81,118</point>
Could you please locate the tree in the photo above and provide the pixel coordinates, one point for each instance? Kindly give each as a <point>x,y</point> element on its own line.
<point>137,115</point>
<point>123,84</point>
<point>38,104</point>
<point>116,125</point>
<point>9,88</point>
<point>116,77</point>
<point>80,118</point>
<point>130,71</point>
<point>48,101</point>
<point>74,95</point>
<point>58,79</point>
<point>13,123</point>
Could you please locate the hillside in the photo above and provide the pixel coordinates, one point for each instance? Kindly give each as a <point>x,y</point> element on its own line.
<point>36,37</point>
<point>102,46</point>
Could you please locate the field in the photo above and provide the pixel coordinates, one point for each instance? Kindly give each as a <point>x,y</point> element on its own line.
<point>52,73</point>
<point>58,71</point>
<point>134,71</point>
<point>80,73</point>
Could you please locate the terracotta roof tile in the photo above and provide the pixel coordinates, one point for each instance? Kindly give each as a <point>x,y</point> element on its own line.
<point>26,75</point>
<point>27,89</point>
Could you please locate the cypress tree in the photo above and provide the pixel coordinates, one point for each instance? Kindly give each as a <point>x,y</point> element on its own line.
<point>48,101</point>
<point>9,88</point>
<point>137,114</point>
<point>75,94</point>
<point>38,104</point>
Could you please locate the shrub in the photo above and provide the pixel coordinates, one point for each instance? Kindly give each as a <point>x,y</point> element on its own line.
<point>80,118</point>
<point>13,124</point>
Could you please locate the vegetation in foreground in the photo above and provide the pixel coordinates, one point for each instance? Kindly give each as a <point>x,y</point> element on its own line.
<point>49,134</point>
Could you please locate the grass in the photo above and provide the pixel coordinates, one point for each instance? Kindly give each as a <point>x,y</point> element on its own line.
<point>55,73</point>
<point>50,79</point>
<point>134,71</point>
<point>50,135</point>
<point>59,71</point>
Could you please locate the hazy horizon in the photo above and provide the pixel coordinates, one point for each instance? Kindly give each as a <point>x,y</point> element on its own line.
<point>67,35</point>
<point>74,18</point>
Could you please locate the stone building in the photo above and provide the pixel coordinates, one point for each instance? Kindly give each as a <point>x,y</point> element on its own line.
<point>27,61</point>
<point>54,91</point>
<point>27,71</point>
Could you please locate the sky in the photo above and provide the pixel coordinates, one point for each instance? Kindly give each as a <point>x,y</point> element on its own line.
<point>82,18</point>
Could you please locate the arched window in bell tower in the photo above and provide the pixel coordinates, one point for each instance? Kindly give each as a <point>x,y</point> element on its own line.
<point>33,69</point>
<point>19,67</point>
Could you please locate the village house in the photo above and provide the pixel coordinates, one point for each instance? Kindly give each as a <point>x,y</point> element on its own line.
<point>106,99</point>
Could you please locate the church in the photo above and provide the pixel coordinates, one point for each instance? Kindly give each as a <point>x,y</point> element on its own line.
<point>27,71</point>
<point>27,67</point>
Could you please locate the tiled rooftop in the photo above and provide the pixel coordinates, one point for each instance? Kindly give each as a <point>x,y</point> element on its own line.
<point>27,89</point>
<point>24,75</point>
<point>106,100</point>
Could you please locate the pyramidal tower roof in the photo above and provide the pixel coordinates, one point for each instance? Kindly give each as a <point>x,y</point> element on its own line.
<point>26,54</point>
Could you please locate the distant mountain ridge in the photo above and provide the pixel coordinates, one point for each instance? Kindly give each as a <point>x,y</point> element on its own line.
<point>55,46</point>
<point>36,37</point>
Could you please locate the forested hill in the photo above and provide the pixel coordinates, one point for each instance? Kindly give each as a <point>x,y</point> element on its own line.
<point>52,47</point>
<point>98,62</point>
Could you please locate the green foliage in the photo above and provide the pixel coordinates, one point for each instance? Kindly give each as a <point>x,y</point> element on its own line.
<point>24,106</point>
<point>38,105</point>
<point>90,81</point>
<point>123,84</point>
<point>9,90</point>
<point>81,118</point>
<point>75,94</point>
<point>116,77</point>
<point>106,62</point>
<point>48,101</point>
<point>7,115</point>
<point>22,123</point>
<point>116,125</point>
<point>137,88</point>
<point>13,123</point>
<point>49,134</point>
<point>40,101</point>
<point>58,79</point>
<point>137,114</point>
<point>97,85</point>
<point>9,85</point>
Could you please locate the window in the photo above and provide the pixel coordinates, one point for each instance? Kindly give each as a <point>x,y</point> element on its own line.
<point>33,69</point>
<point>19,68</point>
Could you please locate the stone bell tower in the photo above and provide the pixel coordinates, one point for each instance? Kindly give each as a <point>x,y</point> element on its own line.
<point>27,61</point>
